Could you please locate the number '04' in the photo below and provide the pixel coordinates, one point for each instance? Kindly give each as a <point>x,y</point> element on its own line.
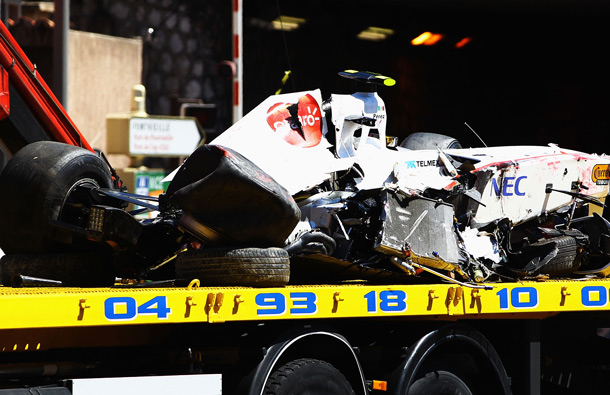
<point>124,308</point>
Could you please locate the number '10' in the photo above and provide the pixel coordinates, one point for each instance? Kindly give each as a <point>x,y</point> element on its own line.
<point>519,298</point>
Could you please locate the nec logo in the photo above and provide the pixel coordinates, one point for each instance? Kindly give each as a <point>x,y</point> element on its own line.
<point>510,186</point>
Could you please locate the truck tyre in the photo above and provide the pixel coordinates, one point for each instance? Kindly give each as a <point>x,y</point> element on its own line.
<point>250,267</point>
<point>429,141</point>
<point>439,382</point>
<point>37,186</point>
<point>567,260</point>
<point>307,376</point>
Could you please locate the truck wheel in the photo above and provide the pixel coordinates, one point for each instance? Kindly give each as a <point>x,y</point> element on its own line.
<point>250,267</point>
<point>427,141</point>
<point>38,186</point>
<point>307,376</point>
<point>567,260</point>
<point>439,382</point>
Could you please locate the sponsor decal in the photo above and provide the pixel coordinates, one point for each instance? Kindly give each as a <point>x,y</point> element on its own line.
<point>510,186</point>
<point>413,164</point>
<point>297,123</point>
<point>601,174</point>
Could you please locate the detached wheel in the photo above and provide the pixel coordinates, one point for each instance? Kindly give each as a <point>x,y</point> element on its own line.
<point>307,377</point>
<point>38,185</point>
<point>567,260</point>
<point>439,382</point>
<point>250,267</point>
<point>429,141</point>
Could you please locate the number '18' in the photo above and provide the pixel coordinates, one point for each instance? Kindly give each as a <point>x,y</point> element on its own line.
<point>387,301</point>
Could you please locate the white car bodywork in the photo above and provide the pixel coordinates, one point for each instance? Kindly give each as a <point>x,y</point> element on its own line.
<point>304,143</point>
<point>516,187</point>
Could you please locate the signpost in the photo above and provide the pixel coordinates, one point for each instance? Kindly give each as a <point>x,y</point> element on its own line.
<point>163,136</point>
<point>153,136</point>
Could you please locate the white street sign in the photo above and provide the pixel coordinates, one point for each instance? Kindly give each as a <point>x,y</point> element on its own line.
<point>163,136</point>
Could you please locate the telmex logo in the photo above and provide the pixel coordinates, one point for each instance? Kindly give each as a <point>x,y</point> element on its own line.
<point>600,172</point>
<point>509,187</point>
<point>413,164</point>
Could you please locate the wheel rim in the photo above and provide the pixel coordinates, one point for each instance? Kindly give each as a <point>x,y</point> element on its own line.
<point>71,207</point>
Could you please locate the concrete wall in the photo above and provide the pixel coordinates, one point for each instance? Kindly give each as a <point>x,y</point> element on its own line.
<point>101,72</point>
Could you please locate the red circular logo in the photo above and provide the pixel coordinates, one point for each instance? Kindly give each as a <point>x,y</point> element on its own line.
<point>297,123</point>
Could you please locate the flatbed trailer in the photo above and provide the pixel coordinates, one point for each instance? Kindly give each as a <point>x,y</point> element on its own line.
<point>528,337</point>
<point>522,338</point>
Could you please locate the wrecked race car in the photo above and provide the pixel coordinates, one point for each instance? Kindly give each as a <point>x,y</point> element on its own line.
<point>308,191</point>
<point>428,205</point>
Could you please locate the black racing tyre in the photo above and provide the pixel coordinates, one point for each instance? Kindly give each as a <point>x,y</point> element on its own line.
<point>567,260</point>
<point>79,269</point>
<point>38,185</point>
<point>439,382</point>
<point>307,377</point>
<point>250,267</point>
<point>427,141</point>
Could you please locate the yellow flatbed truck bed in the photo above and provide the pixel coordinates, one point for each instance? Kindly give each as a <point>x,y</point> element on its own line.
<point>23,308</point>
<point>378,338</point>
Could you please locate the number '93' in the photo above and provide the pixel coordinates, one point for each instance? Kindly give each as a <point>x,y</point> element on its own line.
<point>275,303</point>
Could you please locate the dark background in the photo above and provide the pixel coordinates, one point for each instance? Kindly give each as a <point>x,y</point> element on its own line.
<point>536,72</point>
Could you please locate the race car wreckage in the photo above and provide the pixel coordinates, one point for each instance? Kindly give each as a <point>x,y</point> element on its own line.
<point>306,191</point>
